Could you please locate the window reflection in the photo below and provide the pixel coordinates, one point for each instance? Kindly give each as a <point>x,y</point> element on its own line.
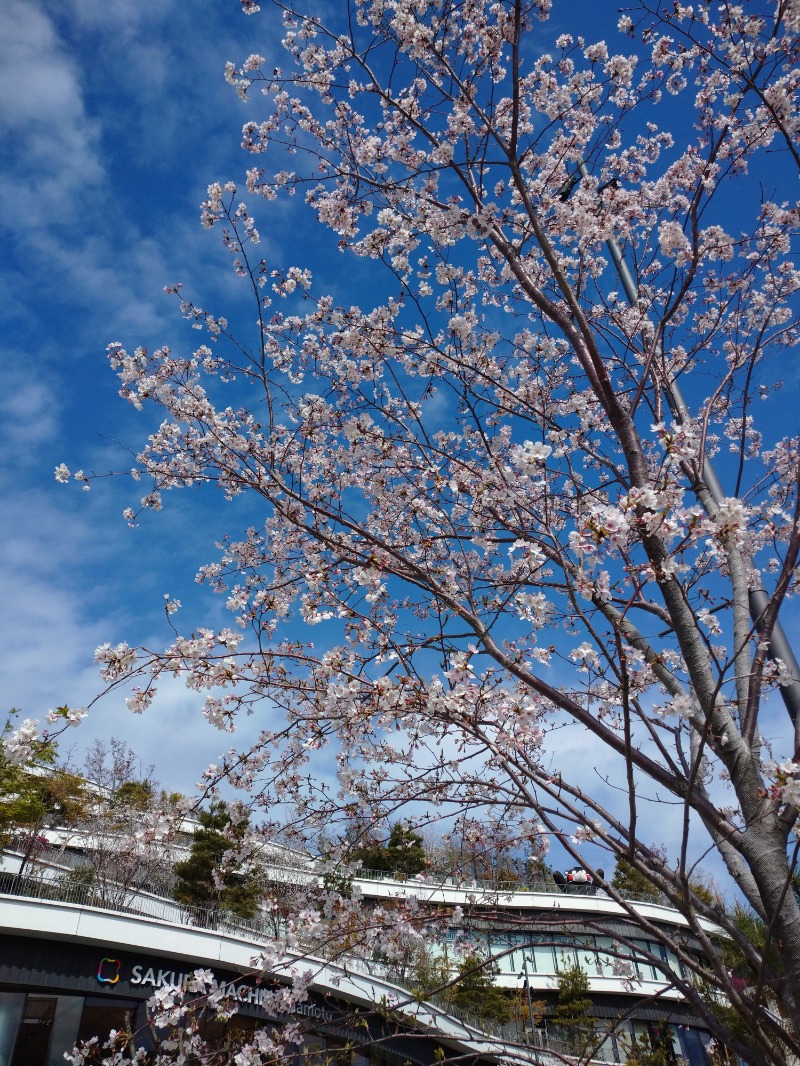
<point>32,1045</point>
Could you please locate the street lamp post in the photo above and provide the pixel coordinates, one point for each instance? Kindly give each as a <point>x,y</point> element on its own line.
<point>527,992</point>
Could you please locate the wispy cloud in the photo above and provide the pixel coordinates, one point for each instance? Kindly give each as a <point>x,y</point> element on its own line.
<point>51,140</point>
<point>28,415</point>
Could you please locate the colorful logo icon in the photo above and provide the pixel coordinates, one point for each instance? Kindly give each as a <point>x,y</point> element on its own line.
<point>108,971</point>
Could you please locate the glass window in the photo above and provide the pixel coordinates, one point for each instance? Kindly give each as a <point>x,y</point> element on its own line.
<point>664,1038</point>
<point>100,1016</point>
<point>607,1052</point>
<point>591,962</point>
<point>523,949</point>
<point>32,1047</point>
<point>641,967</point>
<point>542,955</point>
<point>661,952</point>
<point>65,1027</point>
<point>587,956</point>
<point>12,1005</point>
<point>612,957</point>
<point>675,964</point>
<point>312,1052</point>
<point>502,950</point>
<point>566,956</point>
<point>693,1046</point>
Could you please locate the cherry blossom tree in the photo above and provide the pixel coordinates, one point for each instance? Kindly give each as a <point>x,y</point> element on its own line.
<point>125,835</point>
<point>485,517</point>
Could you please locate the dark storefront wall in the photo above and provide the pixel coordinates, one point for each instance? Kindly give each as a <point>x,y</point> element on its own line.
<point>53,994</point>
<point>36,1029</point>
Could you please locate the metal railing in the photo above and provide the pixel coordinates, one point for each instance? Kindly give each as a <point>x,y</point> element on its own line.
<point>431,879</point>
<point>498,887</point>
<point>160,908</point>
<point>140,903</point>
<point>135,901</point>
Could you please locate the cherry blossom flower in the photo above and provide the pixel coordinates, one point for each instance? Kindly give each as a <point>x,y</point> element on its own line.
<point>482,484</point>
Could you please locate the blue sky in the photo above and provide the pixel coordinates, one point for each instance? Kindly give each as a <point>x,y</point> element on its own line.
<point>115,119</point>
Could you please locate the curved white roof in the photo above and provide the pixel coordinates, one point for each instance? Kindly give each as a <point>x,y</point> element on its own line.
<point>65,922</point>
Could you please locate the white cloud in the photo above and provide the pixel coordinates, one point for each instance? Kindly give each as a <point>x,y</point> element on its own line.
<point>112,125</point>
<point>57,610</point>
<point>122,17</point>
<point>45,634</point>
<point>37,78</point>
<point>28,413</point>
<point>50,140</point>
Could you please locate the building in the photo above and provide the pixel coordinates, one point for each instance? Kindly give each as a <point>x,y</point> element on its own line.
<point>69,971</point>
<point>73,966</point>
<point>534,933</point>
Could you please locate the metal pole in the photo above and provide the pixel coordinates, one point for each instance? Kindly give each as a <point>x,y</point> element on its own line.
<point>779,647</point>
<point>528,991</point>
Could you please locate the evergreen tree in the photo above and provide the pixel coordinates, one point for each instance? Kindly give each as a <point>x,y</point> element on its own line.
<point>650,1051</point>
<point>135,795</point>
<point>630,883</point>
<point>476,992</point>
<point>758,987</point>
<point>203,880</point>
<point>428,975</point>
<point>573,1010</point>
<point>423,969</point>
<point>402,853</point>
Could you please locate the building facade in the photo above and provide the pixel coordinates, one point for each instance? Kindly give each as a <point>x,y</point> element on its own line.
<point>69,972</point>
<point>534,934</point>
<point>70,969</point>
